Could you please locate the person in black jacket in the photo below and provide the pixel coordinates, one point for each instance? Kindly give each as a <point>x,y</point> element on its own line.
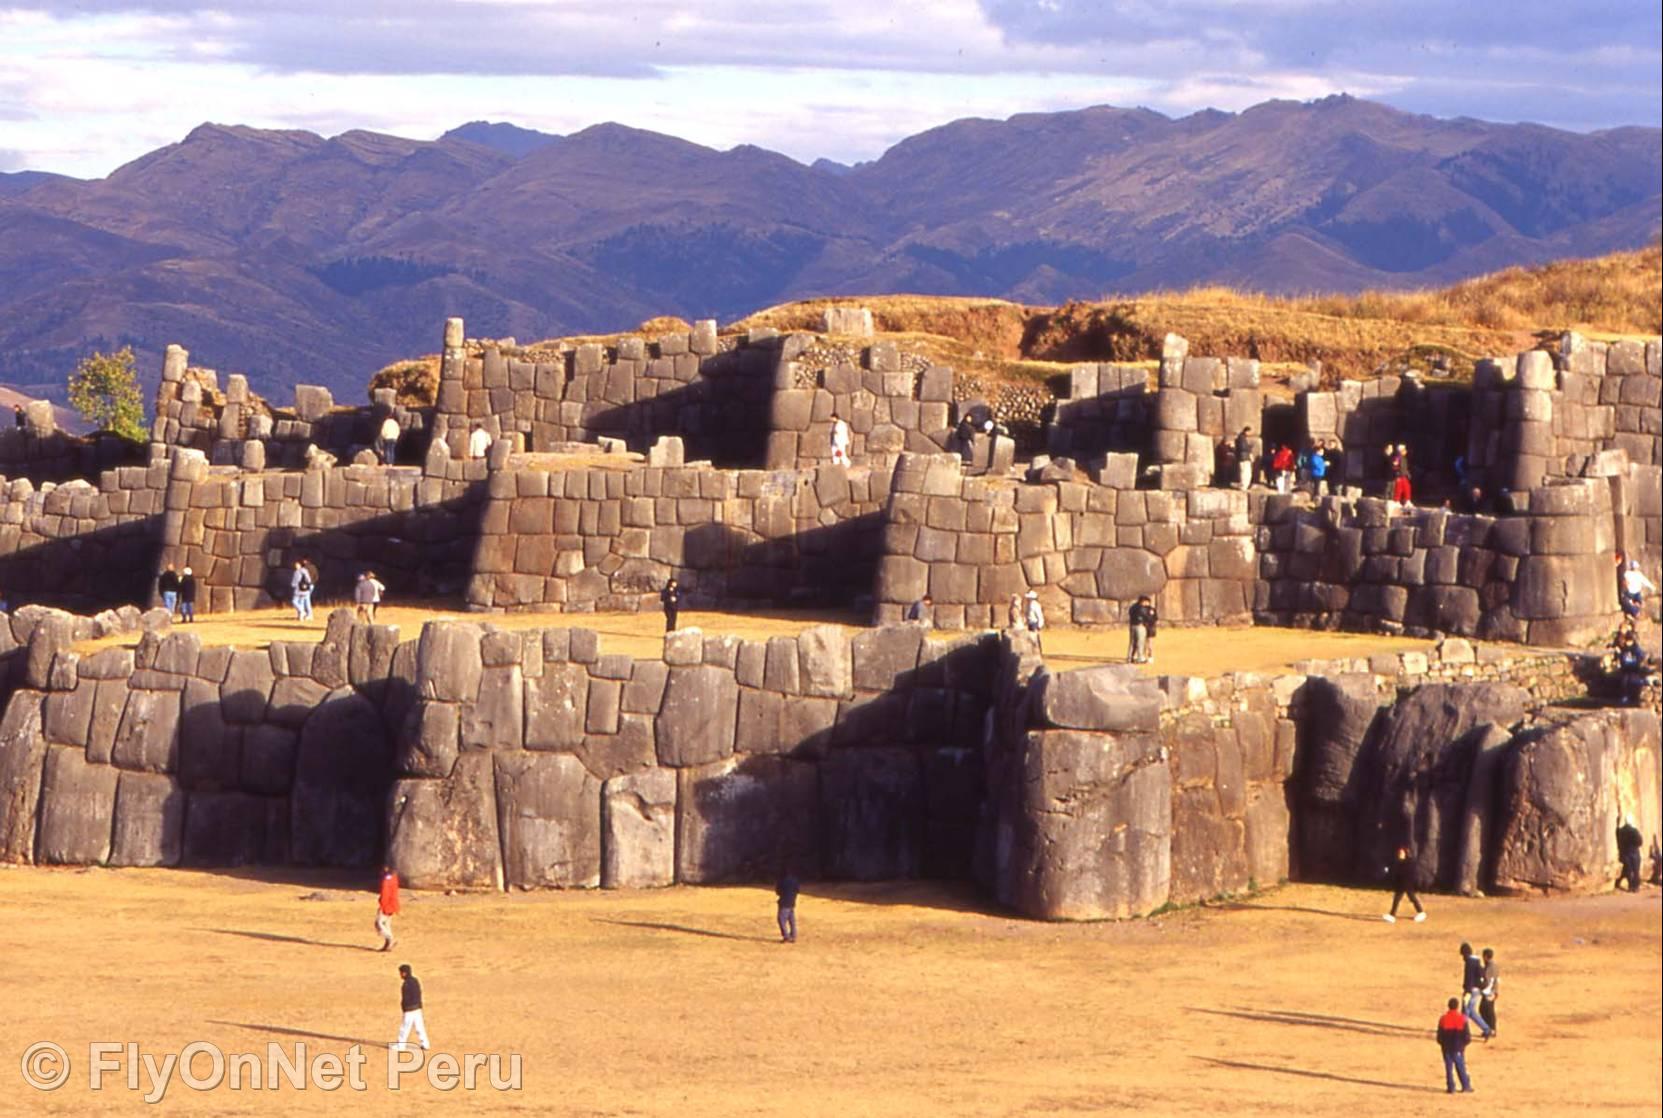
<point>785,892</point>
<point>187,595</point>
<point>1629,843</point>
<point>168,586</point>
<point>671,597</point>
<point>1402,875</point>
<point>1472,988</point>
<point>1142,618</point>
<point>410,1001</point>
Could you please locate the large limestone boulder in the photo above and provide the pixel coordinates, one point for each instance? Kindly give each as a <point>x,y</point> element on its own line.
<point>743,819</point>
<point>696,722</point>
<point>638,818</point>
<point>342,772</point>
<point>1110,697</point>
<point>1093,838</point>
<point>1337,714</point>
<point>234,829</point>
<point>549,817</point>
<point>149,821</point>
<point>22,757</point>
<point>147,737</point>
<point>556,707</point>
<point>76,807</point>
<point>448,661</point>
<point>443,833</point>
<point>872,814</point>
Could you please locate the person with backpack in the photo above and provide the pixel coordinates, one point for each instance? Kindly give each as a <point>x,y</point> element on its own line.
<point>301,584</point>
<point>1453,1038</point>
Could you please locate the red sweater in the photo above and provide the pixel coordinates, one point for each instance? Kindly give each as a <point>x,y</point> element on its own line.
<point>389,894</point>
<point>1453,1031</point>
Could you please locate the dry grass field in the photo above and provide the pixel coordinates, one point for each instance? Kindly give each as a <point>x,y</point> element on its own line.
<point>1201,651</point>
<point>898,1000</point>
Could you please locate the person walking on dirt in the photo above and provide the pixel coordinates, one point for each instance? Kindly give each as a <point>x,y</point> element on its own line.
<point>367,596</point>
<point>670,596</point>
<point>386,907</point>
<point>301,584</point>
<point>168,586</point>
<point>1453,1038</point>
<point>1142,618</point>
<point>785,893</point>
<point>1472,987</point>
<point>1402,875</point>
<point>1032,613</point>
<point>1490,990</point>
<point>410,1002</point>
<point>1629,843</point>
<point>187,595</point>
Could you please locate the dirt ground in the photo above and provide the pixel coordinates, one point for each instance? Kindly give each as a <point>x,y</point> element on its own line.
<point>898,1000</point>
<point>1200,651</point>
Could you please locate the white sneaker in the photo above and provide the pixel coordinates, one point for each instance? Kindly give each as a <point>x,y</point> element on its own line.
<point>1389,918</point>
<point>1420,917</point>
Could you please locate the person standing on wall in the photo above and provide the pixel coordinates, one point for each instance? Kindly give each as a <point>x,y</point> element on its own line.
<point>386,907</point>
<point>1142,618</point>
<point>1317,468</point>
<point>785,894</point>
<point>300,591</point>
<point>840,440</point>
<point>1244,458</point>
<point>1453,1038</point>
<point>168,586</point>
<point>1634,586</point>
<point>479,442</point>
<point>1472,987</point>
<point>187,595</point>
<point>1398,458</point>
<point>386,442</point>
<point>410,1002</point>
<point>17,416</point>
<point>1402,875</point>
<point>922,612</point>
<point>1281,467</point>
<point>671,597</point>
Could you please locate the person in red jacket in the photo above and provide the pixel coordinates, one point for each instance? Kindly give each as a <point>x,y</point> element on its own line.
<point>387,907</point>
<point>1454,1035</point>
<point>1281,464</point>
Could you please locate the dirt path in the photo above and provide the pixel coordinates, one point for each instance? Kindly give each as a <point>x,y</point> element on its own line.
<point>899,1000</point>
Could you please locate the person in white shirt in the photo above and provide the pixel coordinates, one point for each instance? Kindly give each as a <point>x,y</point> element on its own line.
<point>839,441</point>
<point>479,442</point>
<point>386,443</point>
<point>1635,588</point>
<point>1032,613</point>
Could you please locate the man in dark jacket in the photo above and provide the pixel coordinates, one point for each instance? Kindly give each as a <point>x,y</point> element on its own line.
<point>1142,618</point>
<point>168,586</point>
<point>1453,1038</point>
<point>1402,875</point>
<point>785,891</point>
<point>187,595</point>
<point>1629,843</point>
<point>1472,988</point>
<point>671,597</point>
<point>410,1001</point>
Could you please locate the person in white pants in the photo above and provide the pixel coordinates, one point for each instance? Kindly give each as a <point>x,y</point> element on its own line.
<point>410,999</point>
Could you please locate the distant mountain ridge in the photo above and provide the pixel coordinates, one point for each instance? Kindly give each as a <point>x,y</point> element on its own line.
<point>296,258</point>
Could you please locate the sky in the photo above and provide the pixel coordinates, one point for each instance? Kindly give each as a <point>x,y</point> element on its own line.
<point>86,85</point>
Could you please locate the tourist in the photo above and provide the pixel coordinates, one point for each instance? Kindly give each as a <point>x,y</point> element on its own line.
<point>1398,458</point>
<point>1013,613</point>
<point>1317,469</point>
<point>1491,988</point>
<point>187,595</point>
<point>922,611</point>
<point>410,1001</point>
<point>168,585</point>
<point>1032,615</point>
<point>1656,874</point>
<point>386,442</point>
<point>1629,842</point>
<point>479,442</point>
<point>1224,464</point>
<point>1142,618</point>
<point>1453,1038</point>
<point>839,441</point>
<point>367,596</point>
<point>1472,987</point>
<point>17,415</point>
<point>785,893</point>
<point>1281,467</point>
<point>386,907</point>
<point>670,597</point>
<point>1632,666</point>
<point>300,590</point>
<point>1635,587</point>
<point>1402,875</point>
<point>1244,457</point>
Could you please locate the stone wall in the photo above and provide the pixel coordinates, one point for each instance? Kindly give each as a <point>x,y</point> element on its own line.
<point>1201,402</point>
<point>1362,418</point>
<point>1542,578</point>
<point>556,536</point>
<point>1106,411</point>
<point>1087,547</point>
<point>711,391</point>
<point>41,452</point>
<point>889,407</point>
<point>80,543</point>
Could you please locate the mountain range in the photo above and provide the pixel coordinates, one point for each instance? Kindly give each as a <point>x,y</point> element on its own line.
<point>300,259</point>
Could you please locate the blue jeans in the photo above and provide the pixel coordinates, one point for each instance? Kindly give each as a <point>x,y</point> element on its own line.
<point>1456,1063</point>
<point>187,611</point>
<point>788,924</point>
<point>303,605</point>
<point>1470,1008</point>
<point>170,600</point>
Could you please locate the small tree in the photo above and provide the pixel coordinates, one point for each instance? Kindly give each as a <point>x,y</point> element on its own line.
<point>105,390</point>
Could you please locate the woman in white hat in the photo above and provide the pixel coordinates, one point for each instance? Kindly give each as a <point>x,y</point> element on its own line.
<point>1032,614</point>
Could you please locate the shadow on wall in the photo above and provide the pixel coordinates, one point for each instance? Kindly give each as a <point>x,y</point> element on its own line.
<point>721,417</point>
<point>421,552</point>
<point>88,572</point>
<point>833,564</point>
